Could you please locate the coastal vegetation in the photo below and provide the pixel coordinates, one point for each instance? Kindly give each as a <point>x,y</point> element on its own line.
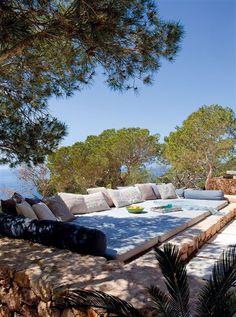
<point>202,147</point>
<point>113,158</point>
<point>53,48</point>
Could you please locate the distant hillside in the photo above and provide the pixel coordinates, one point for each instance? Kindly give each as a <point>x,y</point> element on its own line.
<point>158,170</point>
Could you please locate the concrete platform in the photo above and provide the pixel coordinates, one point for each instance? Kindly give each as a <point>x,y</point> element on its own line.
<point>131,234</point>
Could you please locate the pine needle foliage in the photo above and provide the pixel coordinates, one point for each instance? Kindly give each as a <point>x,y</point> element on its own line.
<point>207,138</point>
<point>55,47</point>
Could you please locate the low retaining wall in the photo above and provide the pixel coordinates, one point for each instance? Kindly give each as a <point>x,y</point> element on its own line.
<point>31,275</point>
<point>227,185</point>
<point>191,239</point>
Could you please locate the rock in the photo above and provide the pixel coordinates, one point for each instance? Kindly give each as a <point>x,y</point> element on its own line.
<point>44,310</point>
<point>13,299</point>
<point>23,277</point>
<point>92,313</point>
<point>28,311</point>
<point>227,185</point>
<point>29,297</point>
<point>67,313</point>
<point>71,312</point>
<point>5,311</point>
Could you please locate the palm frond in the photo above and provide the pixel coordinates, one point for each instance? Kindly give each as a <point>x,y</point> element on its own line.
<point>216,296</point>
<point>84,298</point>
<point>231,302</point>
<point>175,274</point>
<point>161,301</point>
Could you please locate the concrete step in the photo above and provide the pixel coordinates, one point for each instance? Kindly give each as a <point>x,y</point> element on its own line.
<point>201,265</point>
<point>193,238</point>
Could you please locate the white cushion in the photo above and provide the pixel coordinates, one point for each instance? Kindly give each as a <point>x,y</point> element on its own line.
<point>104,191</point>
<point>59,208</point>
<point>167,191</point>
<point>74,202</point>
<point>126,196</point>
<point>156,191</point>
<point>96,202</point>
<point>26,210</point>
<point>43,212</point>
<point>146,191</point>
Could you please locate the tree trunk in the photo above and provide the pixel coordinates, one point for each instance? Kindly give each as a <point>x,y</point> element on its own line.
<point>209,175</point>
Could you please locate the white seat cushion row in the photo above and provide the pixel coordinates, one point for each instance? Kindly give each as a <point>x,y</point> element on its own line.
<point>104,191</point>
<point>24,209</point>
<point>126,196</point>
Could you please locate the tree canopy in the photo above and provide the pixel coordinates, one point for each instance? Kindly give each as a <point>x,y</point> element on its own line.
<point>115,157</point>
<point>204,142</point>
<point>55,47</point>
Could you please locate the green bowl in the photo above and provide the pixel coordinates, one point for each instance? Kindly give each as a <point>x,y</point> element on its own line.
<point>133,210</point>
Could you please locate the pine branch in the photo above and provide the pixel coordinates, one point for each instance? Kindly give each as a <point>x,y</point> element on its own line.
<point>22,45</point>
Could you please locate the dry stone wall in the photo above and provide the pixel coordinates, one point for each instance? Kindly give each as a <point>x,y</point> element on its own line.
<point>31,275</point>
<point>227,185</point>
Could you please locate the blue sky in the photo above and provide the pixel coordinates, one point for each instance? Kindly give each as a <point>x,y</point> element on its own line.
<point>203,73</point>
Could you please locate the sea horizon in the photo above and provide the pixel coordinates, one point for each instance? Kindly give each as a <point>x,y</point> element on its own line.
<point>10,183</point>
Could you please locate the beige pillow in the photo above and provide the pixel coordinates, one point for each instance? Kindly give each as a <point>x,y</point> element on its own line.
<point>26,210</point>
<point>146,191</point>
<point>126,196</point>
<point>96,202</point>
<point>156,191</point>
<point>167,191</point>
<point>74,202</point>
<point>122,187</point>
<point>59,208</point>
<point>43,212</point>
<point>104,191</point>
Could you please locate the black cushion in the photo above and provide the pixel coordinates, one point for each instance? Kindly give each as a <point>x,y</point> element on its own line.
<point>9,206</point>
<point>33,201</point>
<point>14,226</point>
<point>65,235</point>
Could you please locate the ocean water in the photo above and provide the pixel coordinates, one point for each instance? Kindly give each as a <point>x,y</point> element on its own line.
<point>9,183</point>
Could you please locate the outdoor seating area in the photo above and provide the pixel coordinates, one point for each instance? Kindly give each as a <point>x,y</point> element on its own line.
<point>63,219</point>
<point>45,271</point>
<point>129,234</point>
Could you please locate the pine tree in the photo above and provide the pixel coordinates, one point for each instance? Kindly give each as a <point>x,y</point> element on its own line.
<point>54,48</point>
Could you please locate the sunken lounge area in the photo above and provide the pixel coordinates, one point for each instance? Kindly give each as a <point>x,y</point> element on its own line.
<point>33,274</point>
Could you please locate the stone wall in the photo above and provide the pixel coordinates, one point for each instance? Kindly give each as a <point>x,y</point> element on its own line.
<point>31,275</point>
<point>227,185</point>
